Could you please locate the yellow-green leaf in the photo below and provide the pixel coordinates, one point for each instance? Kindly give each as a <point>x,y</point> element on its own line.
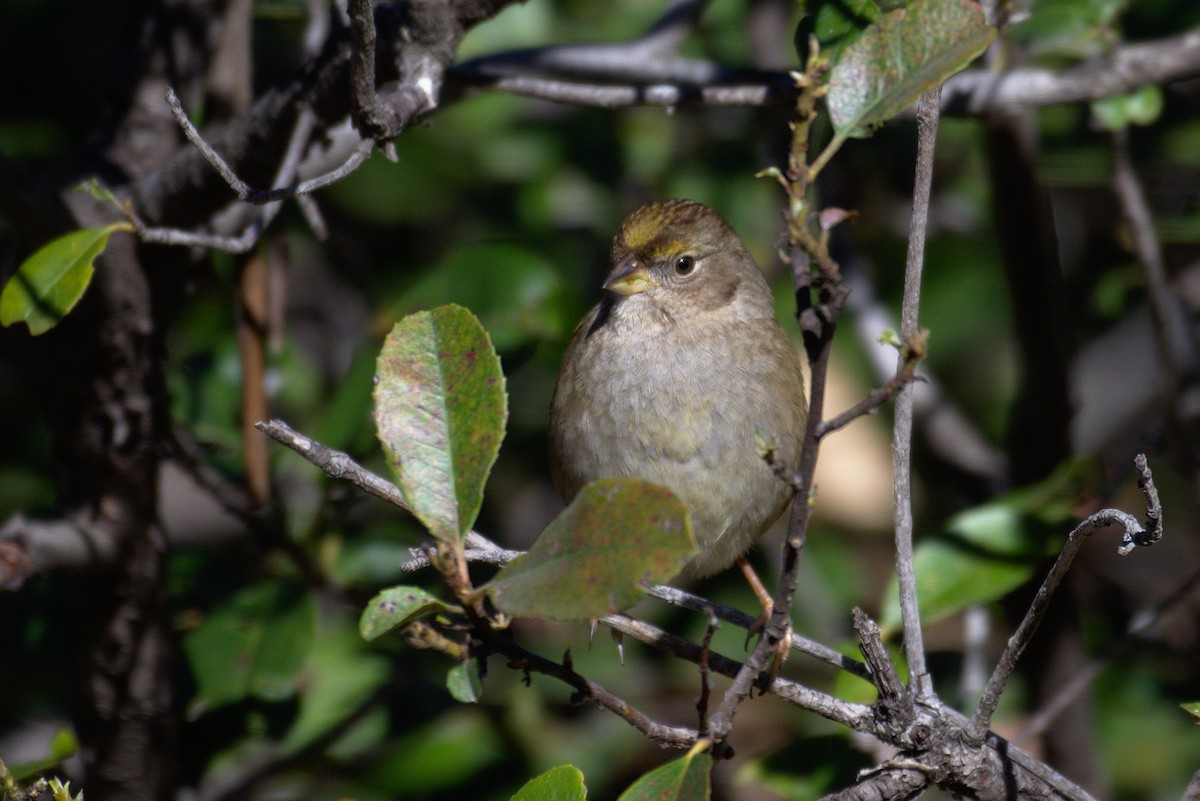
<point>50,282</point>
<point>396,607</point>
<point>684,779</point>
<point>563,783</point>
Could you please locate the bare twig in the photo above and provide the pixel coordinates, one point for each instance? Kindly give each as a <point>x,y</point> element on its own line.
<point>777,90</point>
<point>742,620</point>
<point>1123,69</point>
<point>820,297</point>
<point>910,357</point>
<point>855,716</point>
<point>1134,535</point>
<point>914,647</point>
<point>301,133</point>
<point>335,463</point>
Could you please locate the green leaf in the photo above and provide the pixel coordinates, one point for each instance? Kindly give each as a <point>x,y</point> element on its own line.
<point>1193,709</point>
<point>513,290</point>
<point>254,644</point>
<point>685,779</point>
<point>440,410</point>
<point>984,553</point>
<point>64,744</point>
<point>98,191</point>
<point>1140,107</point>
<point>616,537</point>
<point>396,607</point>
<point>463,682</point>
<point>50,282</point>
<point>62,792</point>
<point>899,57</point>
<point>563,783</point>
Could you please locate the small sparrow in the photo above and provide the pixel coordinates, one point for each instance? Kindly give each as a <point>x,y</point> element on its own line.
<point>678,376</point>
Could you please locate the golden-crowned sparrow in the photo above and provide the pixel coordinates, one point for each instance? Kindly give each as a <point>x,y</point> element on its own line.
<point>678,376</point>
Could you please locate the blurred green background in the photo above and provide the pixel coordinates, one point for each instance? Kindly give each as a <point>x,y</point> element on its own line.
<point>507,206</point>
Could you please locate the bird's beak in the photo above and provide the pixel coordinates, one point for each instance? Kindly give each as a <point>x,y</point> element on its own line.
<point>629,277</point>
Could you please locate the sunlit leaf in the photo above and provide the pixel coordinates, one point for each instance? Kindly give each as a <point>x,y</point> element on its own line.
<point>49,283</point>
<point>684,779</point>
<point>440,411</point>
<point>616,537</point>
<point>1193,709</point>
<point>98,191</point>
<point>396,607</point>
<point>563,783</point>
<point>899,57</point>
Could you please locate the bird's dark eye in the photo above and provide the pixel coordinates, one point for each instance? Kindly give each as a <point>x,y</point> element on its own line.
<point>684,265</point>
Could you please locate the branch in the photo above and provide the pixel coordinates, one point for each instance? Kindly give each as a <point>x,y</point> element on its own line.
<point>1125,68</point>
<point>914,647</point>
<point>1134,535</point>
<point>29,547</point>
<point>335,463</point>
<point>890,782</point>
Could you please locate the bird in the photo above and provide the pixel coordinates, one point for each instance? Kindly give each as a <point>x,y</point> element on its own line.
<point>680,375</point>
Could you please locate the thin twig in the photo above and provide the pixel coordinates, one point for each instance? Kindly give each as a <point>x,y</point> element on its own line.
<point>335,463</point>
<point>818,322</point>
<point>301,132</point>
<point>824,653</point>
<point>1134,535</point>
<point>910,356</point>
<point>855,716</point>
<point>522,659</point>
<point>914,647</point>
